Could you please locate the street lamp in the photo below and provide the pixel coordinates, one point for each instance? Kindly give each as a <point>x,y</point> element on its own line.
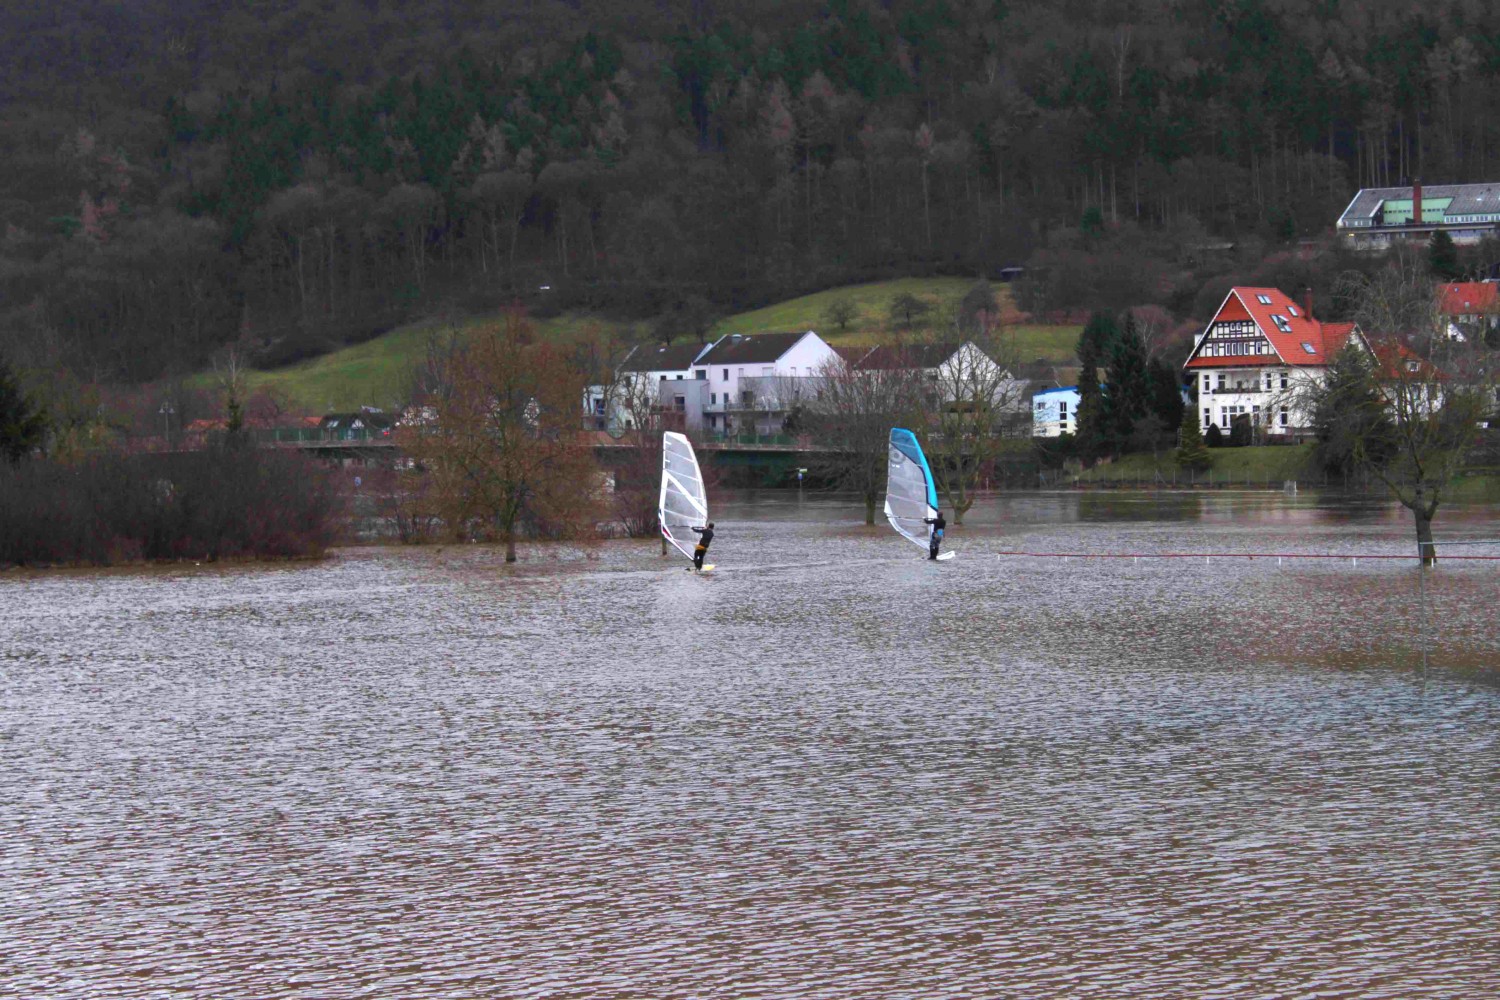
<point>166,412</point>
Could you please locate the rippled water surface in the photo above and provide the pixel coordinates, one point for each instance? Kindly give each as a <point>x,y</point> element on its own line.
<point>831,770</point>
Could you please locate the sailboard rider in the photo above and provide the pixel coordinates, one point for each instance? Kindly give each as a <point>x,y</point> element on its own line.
<point>939,525</point>
<point>706,537</point>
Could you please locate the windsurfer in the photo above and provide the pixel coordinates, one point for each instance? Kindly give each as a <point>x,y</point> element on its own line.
<point>939,525</point>
<point>706,537</point>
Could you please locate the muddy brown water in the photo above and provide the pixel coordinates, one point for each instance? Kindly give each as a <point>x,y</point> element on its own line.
<point>831,770</point>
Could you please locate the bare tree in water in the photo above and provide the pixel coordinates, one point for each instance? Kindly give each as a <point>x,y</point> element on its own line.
<point>849,413</point>
<point>1432,393</point>
<point>979,410</point>
<point>501,439</point>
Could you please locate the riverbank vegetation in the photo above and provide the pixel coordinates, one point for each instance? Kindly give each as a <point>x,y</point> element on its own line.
<point>229,501</point>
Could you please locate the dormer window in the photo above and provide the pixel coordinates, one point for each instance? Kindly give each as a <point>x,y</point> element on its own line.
<point>1264,300</point>
<point>1281,323</point>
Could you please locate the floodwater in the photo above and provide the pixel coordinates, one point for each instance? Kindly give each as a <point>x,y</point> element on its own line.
<point>830,770</point>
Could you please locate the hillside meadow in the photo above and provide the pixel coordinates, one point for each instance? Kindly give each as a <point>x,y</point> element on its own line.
<point>377,372</point>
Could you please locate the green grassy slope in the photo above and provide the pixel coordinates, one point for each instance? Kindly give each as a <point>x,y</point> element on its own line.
<point>375,373</point>
<point>1257,465</point>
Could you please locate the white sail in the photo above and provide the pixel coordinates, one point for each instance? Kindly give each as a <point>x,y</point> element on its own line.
<point>683,504</point>
<point>910,495</point>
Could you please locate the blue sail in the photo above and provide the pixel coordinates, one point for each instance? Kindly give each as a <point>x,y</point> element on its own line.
<point>910,494</point>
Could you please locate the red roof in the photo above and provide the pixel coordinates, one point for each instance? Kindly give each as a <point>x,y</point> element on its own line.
<point>1397,361</point>
<point>1470,298</point>
<point>1298,339</point>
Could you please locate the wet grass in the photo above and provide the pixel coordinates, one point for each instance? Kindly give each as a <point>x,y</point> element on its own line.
<point>1263,464</point>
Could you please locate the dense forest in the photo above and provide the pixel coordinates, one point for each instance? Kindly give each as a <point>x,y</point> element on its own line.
<point>287,175</point>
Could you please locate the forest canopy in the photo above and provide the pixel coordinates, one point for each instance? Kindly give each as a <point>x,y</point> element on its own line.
<point>291,175</point>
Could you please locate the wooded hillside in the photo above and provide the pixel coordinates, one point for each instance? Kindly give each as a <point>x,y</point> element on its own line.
<point>291,174</point>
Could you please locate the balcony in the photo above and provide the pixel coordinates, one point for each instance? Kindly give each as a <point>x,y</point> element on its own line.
<point>768,394</point>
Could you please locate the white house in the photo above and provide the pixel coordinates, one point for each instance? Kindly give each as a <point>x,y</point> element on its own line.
<point>648,375</point>
<point>955,371</point>
<point>1054,412</point>
<point>753,381</point>
<point>1258,357</point>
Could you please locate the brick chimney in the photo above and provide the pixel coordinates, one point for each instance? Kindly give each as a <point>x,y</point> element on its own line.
<point>1307,302</point>
<point>1416,201</point>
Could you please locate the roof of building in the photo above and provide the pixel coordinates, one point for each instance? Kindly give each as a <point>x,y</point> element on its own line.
<point>851,353</point>
<point>1048,392</point>
<point>1470,297</point>
<point>661,357</point>
<point>368,418</point>
<point>1398,361</point>
<point>1468,199</point>
<point>755,349</point>
<point>892,357</point>
<point>1298,339</point>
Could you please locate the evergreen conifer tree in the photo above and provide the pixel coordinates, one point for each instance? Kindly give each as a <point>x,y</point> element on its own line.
<point>1442,257</point>
<point>1192,453</point>
<point>1129,392</point>
<point>23,422</point>
<point>1093,346</point>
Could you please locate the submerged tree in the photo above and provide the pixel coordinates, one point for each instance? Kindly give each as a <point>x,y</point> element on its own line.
<point>500,439</point>
<point>1398,413</point>
<point>981,410</point>
<point>851,411</point>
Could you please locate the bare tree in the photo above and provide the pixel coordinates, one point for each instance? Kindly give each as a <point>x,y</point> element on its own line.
<point>1430,412</point>
<point>978,409</point>
<point>502,442</point>
<point>849,414</point>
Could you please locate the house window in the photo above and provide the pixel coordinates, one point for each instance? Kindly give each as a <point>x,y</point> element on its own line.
<point>726,376</point>
<point>700,374</point>
<point>663,378</point>
<point>1264,300</point>
<point>1283,380</point>
<point>1221,381</point>
<point>1062,408</point>
<point>713,398</point>
<point>679,378</point>
<point>1208,416</point>
<point>680,402</point>
<point>767,371</point>
<point>1283,417</point>
<point>1291,309</point>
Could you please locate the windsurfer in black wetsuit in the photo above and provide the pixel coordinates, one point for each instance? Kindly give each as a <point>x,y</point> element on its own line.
<point>938,527</point>
<point>701,549</point>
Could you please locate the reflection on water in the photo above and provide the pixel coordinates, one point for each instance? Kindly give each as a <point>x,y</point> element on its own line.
<point>832,770</point>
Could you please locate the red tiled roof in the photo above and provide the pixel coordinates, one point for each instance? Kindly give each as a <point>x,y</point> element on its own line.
<point>1301,342</point>
<point>1397,361</point>
<point>1470,298</point>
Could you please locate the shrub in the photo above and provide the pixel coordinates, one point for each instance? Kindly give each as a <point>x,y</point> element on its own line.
<point>228,501</point>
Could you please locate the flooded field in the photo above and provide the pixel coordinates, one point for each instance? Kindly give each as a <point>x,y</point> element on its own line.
<point>830,770</point>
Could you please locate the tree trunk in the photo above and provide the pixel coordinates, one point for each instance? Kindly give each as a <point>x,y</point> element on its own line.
<point>510,545</point>
<point>1425,546</point>
<point>870,508</point>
